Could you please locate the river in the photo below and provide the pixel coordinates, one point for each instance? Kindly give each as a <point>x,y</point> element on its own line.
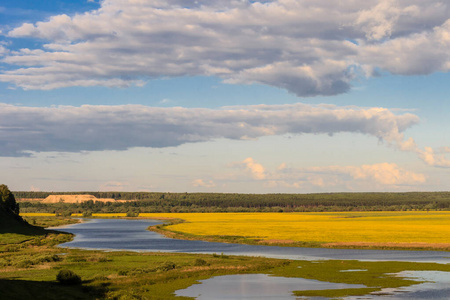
<point>125,234</point>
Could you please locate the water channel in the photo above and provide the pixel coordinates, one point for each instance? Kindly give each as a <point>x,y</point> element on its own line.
<point>132,235</point>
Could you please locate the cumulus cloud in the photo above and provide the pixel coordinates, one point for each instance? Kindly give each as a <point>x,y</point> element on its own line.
<point>342,177</point>
<point>306,47</point>
<point>435,157</point>
<point>256,170</point>
<point>384,174</point>
<point>202,183</point>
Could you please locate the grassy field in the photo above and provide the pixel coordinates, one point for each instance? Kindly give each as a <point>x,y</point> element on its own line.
<point>28,269</point>
<point>386,230</point>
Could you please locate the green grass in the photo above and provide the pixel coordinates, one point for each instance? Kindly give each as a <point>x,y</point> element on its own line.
<point>29,270</point>
<point>338,293</point>
<point>50,221</point>
<point>374,275</point>
<point>118,275</point>
<point>14,231</point>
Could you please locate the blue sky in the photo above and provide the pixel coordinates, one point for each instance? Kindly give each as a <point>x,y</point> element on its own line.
<point>225,96</point>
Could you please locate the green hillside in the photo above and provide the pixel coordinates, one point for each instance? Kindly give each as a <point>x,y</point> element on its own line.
<point>13,229</point>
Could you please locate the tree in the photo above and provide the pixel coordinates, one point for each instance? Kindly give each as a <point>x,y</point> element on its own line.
<point>7,200</point>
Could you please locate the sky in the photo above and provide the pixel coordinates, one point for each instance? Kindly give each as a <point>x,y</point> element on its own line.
<point>237,96</point>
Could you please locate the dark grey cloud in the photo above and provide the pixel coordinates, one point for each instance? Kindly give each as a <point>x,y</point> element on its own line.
<point>98,128</point>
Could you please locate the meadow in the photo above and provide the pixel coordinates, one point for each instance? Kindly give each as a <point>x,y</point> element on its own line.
<point>382,230</point>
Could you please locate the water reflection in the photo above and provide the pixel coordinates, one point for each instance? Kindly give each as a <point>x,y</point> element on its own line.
<point>437,287</point>
<point>256,286</point>
<point>121,234</point>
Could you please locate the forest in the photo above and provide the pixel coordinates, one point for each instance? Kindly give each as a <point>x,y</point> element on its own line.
<point>151,202</point>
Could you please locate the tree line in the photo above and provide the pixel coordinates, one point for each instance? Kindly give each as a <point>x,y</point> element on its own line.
<point>222,202</point>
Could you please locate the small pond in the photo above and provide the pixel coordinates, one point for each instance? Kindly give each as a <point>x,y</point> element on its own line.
<point>437,287</point>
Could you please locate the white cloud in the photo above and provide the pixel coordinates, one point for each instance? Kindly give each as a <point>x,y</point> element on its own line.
<point>202,183</point>
<point>381,174</point>
<point>256,170</point>
<point>420,53</point>
<point>435,157</point>
<point>3,50</point>
<point>385,173</point>
<point>307,47</point>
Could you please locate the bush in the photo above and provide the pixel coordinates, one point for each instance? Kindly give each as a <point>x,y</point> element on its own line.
<point>167,266</point>
<point>98,258</point>
<point>132,214</point>
<point>48,258</point>
<point>200,262</point>
<point>221,255</point>
<point>25,263</point>
<point>87,214</point>
<point>68,277</point>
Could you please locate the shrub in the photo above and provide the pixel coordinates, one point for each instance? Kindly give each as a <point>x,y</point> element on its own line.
<point>200,262</point>
<point>48,258</point>
<point>167,266</point>
<point>76,258</point>
<point>221,255</point>
<point>87,214</point>
<point>98,258</point>
<point>132,214</point>
<point>25,263</point>
<point>68,277</point>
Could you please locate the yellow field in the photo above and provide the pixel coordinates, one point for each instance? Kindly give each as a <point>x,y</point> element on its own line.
<point>390,229</point>
<point>37,215</point>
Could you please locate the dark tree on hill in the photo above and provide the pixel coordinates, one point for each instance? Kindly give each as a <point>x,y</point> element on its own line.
<point>7,200</point>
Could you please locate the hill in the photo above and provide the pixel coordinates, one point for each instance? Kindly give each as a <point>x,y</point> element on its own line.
<point>13,229</point>
<point>14,224</point>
